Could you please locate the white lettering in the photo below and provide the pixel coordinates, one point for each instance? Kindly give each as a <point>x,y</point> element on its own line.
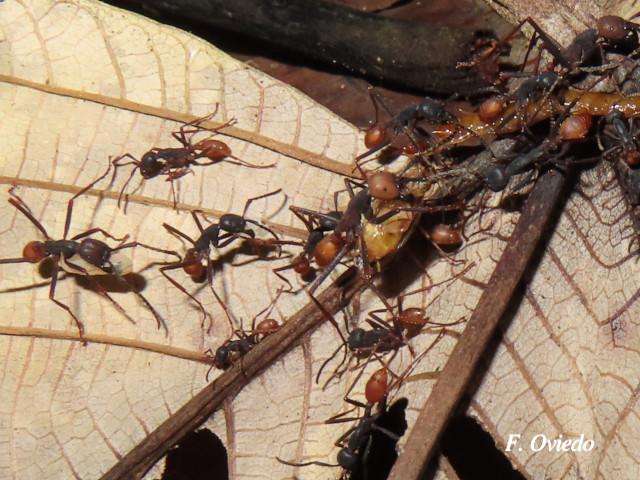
<point>590,446</point>
<point>533,446</point>
<point>512,440</point>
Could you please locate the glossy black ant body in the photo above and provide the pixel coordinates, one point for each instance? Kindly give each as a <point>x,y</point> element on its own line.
<point>218,235</point>
<point>96,255</point>
<point>381,135</point>
<point>176,162</point>
<point>620,136</point>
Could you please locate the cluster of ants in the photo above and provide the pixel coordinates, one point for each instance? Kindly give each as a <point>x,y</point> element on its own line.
<point>532,119</point>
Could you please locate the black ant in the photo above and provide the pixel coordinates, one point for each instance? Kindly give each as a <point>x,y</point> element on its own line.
<point>63,254</point>
<point>385,337</point>
<point>218,235</point>
<point>621,135</point>
<point>177,162</point>
<point>231,350</point>
<point>569,128</point>
<point>381,135</point>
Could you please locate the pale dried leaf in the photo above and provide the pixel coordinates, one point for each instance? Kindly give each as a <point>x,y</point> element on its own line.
<point>568,363</point>
<point>82,82</point>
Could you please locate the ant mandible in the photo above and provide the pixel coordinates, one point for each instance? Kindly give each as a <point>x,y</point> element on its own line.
<point>177,162</point>
<point>93,252</point>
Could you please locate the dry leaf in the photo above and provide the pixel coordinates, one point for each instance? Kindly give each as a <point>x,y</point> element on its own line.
<point>567,363</point>
<point>82,82</point>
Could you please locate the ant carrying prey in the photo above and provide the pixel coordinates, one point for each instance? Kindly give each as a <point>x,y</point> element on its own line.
<point>176,162</point>
<point>78,255</point>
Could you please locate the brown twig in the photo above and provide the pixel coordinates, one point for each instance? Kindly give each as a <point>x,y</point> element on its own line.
<point>197,410</point>
<point>458,371</point>
<point>398,52</point>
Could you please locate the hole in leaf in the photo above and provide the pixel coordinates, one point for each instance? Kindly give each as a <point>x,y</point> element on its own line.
<point>473,453</point>
<point>200,455</point>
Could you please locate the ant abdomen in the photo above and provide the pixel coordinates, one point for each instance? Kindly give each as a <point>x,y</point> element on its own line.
<point>445,236</point>
<point>94,252</point>
<point>376,388</point>
<point>213,149</point>
<point>327,249</point>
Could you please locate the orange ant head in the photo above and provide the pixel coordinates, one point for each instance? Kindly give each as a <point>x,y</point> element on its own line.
<point>192,263</point>
<point>382,185</point>
<point>267,326</point>
<point>213,149</point>
<point>575,127</point>
<point>491,109</point>
<point>376,137</point>
<point>632,158</point>
<point>612,28</point>
<point>377,385</point>
<point>327,249</point>
<point>34,251</point>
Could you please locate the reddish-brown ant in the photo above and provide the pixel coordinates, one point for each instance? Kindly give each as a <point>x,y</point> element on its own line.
<point>384,337</point>
<point>177,162</point>
<point>317,226</point>
<point>231,350</point>
<point>218,235</point>
<point>78,255</point>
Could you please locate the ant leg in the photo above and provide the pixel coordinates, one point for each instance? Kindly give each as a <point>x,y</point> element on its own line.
<point>91,231</point>
<point>327,270</point>
<point>148,247</point>
<point>215,294</point>
<point>67,222</point>
<point>178,233</point>
<point>52,294</point>
<point>175,266</point>
<point>22,208</point>
<point>251,200</point>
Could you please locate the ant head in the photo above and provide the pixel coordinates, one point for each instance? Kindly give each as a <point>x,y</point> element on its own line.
<point>547,79</point>
<point>192,263</point>
<point>575,127</point>
<point>221,359</point>
<point>267,326</point>
<point>376,387</point>
<point>34,251</point>
<point>347,459</point>
<point>213,149</point>
<point>356,337</point>
<point>612,28</point>
<point>150,164</point>
<point>330,223</point>
<point>496,178</point>
<point>382,185</point>
<point>327,249</point>
<point>232,223</point>
<point>491,109</point>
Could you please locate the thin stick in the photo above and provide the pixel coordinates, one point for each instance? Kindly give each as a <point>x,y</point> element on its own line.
<point>197,410</point>
<point>459,369</point>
